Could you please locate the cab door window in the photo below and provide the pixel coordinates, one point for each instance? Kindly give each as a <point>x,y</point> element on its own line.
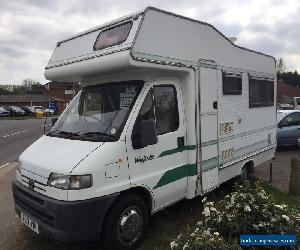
<point>166,109</point>
<point>159,105</point>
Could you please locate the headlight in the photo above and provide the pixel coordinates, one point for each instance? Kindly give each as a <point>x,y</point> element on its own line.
<point>19,167</point>
<point>70,182</point>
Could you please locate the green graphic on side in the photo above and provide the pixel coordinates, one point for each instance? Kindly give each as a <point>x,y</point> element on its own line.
<point>177,174</point>
<point>177,150</point>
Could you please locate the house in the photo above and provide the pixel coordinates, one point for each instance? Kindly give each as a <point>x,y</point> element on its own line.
<point>285,90</point>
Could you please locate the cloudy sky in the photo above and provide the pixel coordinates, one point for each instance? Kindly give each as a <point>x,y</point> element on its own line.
<point>29,29</point>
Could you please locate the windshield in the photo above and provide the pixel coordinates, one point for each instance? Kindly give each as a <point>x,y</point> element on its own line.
<point>98,113</point>
<point>297,101</point>
<point>281,115</point>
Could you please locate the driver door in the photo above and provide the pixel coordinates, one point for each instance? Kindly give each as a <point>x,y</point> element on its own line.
<point>289,130</point>
<point>160,167</point>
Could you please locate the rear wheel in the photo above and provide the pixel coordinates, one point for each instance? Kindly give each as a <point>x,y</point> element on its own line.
<point>126,223</point>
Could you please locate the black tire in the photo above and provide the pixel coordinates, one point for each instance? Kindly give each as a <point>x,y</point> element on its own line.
<point>111,236</point>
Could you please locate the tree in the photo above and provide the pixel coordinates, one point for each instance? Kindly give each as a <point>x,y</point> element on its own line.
<point>28,83</point>
<point>280,65</point>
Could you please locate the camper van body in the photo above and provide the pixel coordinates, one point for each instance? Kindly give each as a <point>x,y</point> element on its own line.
<point>211,126</point>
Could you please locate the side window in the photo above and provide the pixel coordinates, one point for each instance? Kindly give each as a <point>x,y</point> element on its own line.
<point>232,84</point>
<point>291,120</point>
<point>261,93</point>
<point>166,109</point>
<point>146,113</point>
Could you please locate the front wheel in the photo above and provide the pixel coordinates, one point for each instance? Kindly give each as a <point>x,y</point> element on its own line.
<point>126,223</point>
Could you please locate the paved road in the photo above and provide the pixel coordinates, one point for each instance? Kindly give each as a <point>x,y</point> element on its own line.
<point>16,136</point>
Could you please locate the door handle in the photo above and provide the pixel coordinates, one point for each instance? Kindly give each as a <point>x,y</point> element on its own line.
<point>215,104</point>
<point>180,142</point>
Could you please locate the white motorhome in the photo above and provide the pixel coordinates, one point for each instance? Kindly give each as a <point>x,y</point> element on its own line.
<point>169,109</point>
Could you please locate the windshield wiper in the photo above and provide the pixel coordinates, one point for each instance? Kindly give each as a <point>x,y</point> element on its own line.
<point>97,134</point>
<point>93,136</point>
<point>63,133</point>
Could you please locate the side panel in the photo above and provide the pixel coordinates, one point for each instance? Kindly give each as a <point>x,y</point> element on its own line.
<point>209,128</point>
<point>185,40</point>
<point>243,131</point>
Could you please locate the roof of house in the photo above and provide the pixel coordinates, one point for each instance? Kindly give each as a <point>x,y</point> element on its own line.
<point>24,98</point>
<point>284,89</point>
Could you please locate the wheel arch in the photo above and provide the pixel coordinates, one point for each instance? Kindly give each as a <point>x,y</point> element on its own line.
<point>249,165</point>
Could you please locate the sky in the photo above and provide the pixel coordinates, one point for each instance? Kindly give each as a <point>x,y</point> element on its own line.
<point>30,29</point>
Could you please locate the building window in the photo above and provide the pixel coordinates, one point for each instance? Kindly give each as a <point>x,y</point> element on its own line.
<point>232,84</point>
<point>166,109</point>
<point>261,92</point>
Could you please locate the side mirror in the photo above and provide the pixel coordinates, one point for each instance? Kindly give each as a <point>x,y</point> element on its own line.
<point>54,120</point>
<point>144,134</point>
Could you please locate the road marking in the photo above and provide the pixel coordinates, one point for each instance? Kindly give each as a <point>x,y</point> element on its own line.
<point>4,165</point>
<point>19,132</point>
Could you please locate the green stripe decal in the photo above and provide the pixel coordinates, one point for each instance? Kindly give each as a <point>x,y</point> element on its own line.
<point>210,164</point>
<point>177,150</point>
<point>176,174</point>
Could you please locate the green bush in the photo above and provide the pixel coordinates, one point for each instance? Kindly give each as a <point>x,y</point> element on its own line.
<point>247,210</point>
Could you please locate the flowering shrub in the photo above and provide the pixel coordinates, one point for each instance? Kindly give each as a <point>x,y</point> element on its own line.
<point>248,210</point>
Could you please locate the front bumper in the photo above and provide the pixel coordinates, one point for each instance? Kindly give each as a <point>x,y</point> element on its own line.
<point>66,221</point>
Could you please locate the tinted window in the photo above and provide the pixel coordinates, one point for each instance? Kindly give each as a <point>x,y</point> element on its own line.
<point>146,113</point>
<point>261,93</point>
<point>166,110</point>
<point>291,120</point>
<point>232,85</point>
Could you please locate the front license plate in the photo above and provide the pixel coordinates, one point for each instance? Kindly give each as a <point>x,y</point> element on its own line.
<point>30,223</point>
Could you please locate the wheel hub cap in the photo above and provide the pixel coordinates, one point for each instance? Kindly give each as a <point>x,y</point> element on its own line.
<point>130,225</point>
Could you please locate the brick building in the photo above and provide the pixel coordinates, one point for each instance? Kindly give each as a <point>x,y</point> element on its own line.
<point>286,90</point>
<point>24,100</point>
<point>44,95</point>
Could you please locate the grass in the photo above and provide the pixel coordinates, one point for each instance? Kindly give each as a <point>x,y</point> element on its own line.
<point>164,225</point>
<point>280,196</point>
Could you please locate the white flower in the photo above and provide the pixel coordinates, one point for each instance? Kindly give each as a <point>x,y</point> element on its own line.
<point>204,200</point>
<point>247,209</point>
<point>206,212</point>
<point>185,246</point>
<point>173,244</point>
<point>192,235</point>
<point>196,230</point>
<point>179,236</point>
<point>285,217</point>
<point>278,206</point>
<point>216,234</point>
<point>232,200</point>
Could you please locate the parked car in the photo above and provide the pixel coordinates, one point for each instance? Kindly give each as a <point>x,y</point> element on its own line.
<point>28,110</point>
<point>278,107</point>
<point>4,112</point>
<point>39,111</point>
<point>15,111</point>
<point>49,112</point>
<point>288,132</point>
